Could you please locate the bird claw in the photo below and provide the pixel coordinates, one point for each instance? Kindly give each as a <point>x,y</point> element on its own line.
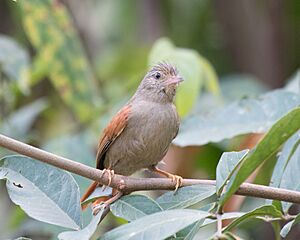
<point>111,174</point>
<point>96,208</point>
<point>178,180</point>
<point>174,178</point>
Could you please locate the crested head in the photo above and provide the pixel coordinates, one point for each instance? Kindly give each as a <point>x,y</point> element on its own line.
<point>164,68</point>
<point>160,83</point>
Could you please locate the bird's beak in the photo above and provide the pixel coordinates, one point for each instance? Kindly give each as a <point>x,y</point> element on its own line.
<point>173,81</point>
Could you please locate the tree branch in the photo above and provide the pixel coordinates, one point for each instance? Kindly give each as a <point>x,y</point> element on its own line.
<point>130,184</point>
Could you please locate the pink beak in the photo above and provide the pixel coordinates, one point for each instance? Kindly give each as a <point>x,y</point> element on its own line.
<point>173,80</point>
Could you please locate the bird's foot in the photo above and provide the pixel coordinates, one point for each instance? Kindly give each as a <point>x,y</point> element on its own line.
<point>178,180</point>
<point>111,174</point>
<point>175,178</point>
<point>97,206</point>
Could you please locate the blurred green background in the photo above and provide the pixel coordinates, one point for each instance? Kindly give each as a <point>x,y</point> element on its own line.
<point>67,66</point>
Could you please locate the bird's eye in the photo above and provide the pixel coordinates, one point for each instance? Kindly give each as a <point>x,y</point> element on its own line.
<point>157,75</point>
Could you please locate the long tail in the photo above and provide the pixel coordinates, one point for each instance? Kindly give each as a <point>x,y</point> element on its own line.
<point>88,192</point>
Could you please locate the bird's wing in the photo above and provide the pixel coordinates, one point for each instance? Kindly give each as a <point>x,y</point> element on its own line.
<point>111,133</point>
<point>178,121</point>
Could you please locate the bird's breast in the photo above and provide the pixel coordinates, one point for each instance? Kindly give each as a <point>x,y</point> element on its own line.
<point>145,140</point>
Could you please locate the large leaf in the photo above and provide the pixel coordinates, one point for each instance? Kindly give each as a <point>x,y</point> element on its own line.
<point>78,146</point>
<point>161,51</point>
<point>238,86</point>
<point>44,192</point>
<point>282,130</point>
<point>194,69</point>
<point>186,196</point>
<point>186,61</point>
<point>191,231</point>
<point>133,207</point>
<point>14,62</point>
<point>49,28</point>
<point>18,123</point>
<point>290,177</point>
<point>85,233</point>
<point>267,210</point>
<point>285,155</point>
<point>156,226</point>
<point>287,227</point>
<point>294,83</point>
<point>228,162</point>
<point>210,76</point>
<point>250,115</point>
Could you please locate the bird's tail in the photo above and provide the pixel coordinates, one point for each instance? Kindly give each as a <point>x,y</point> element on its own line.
<point>88,192</point>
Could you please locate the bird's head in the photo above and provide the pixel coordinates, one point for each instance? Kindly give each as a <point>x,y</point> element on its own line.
<point>160,83</point>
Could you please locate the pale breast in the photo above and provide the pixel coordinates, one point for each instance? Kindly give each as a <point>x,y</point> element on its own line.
<point>144,142</point>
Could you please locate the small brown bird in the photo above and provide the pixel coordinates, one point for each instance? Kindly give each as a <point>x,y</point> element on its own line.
<point>141,132</point>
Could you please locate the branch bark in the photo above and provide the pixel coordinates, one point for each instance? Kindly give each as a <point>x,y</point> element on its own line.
<point>129,184</point>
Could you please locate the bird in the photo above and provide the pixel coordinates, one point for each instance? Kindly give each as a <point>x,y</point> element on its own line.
<point>140,134</point>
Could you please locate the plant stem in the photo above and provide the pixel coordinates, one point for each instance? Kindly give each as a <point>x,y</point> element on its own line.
<point>219,225</point>
<point>129,184</point>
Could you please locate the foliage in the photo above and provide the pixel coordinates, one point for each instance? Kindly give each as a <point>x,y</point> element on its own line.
<point>43,192</point>
<point>14,62</point>
<point>211,112</point>
<point>195,70</point>
<point>60,54</point>
<point>141,211</point>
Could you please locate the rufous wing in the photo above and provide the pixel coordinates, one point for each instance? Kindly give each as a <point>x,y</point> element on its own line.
<point>111,133</point>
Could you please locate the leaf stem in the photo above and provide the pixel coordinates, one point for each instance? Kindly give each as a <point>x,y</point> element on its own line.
<point>219,225</point>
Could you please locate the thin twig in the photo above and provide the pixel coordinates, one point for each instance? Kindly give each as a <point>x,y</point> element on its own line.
<point>130,184</point>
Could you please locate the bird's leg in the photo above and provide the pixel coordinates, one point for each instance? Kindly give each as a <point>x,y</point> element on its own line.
<point>98,205</point>
<point>175,178</point>
<point>110,173</point>
<point>98,202</point>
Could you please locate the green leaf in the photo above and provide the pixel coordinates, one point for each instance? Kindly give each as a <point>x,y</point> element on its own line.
<point>186,61</point>
<point>18,123</point>
<point>282,130</point>
<point>285,155</point>
<point>239,86</point>
<point>16,218</point>
<point>267,210</point>
<point>194,69</point>
<point>156,226</point>
<point>133,207</point>
<point>210,77</point>
<point>248,115</point>
<point>79,146</point>
<point>50,31</point>
<point>228,163</point>
<point>85,233</point>
<point>287,227</point>
<point>294,83</point>
<point>290,177</point>
<point>161,51</point>
<point>98,192</point>
<point>189,232</point>
<point>186,196</point>
<point>44,192</point>
<point>14,62</point>
<point>230,236</point>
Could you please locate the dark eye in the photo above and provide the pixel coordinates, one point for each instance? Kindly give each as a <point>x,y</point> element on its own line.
<point>157,75</point>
